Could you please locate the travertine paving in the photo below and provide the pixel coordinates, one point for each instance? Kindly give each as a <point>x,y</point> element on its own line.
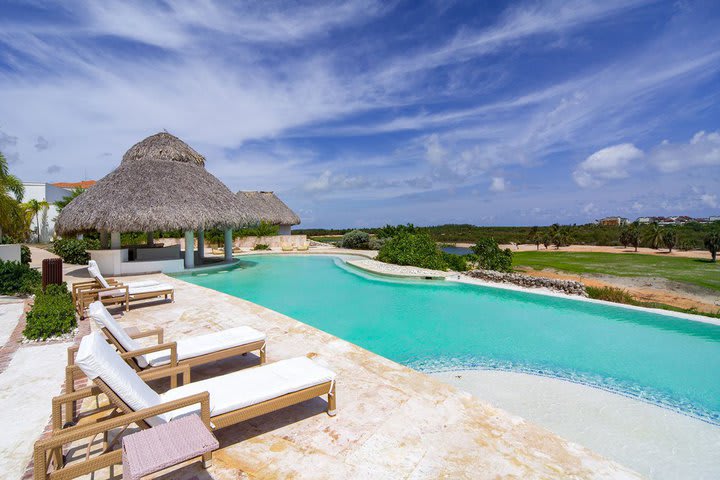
<point>392,422</point>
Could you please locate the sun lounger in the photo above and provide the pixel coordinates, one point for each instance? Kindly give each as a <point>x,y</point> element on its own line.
<point>303,248</point>
<point>112,292</point>
<point>286,247</point>
<point>220,401</point>
<point>195,350</point>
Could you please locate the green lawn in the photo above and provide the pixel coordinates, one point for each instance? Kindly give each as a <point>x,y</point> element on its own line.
<point>694,271</point>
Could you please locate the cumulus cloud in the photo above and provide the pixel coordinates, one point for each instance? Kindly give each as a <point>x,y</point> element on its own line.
<point>709,199</point>
<point>498,184</point>
<point>7,140</point>
<point>54,169</point>
<point>327,181</point>
<point>702,150</point>
<point>41,144</point>
<point>607,164</point>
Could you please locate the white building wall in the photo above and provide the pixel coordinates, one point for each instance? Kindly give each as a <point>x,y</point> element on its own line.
<point>51,194</point>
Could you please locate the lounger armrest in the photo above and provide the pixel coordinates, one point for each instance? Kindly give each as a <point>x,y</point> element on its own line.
<point>172,346</point>
<point>159,332</point>
<point>167,371</point>
<point>108,289</point>
<point>71,434</point>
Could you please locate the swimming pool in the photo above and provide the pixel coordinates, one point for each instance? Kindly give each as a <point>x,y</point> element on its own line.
<point>437,325</point>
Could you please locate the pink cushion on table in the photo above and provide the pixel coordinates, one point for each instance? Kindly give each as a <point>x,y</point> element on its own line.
<point>149,451</point>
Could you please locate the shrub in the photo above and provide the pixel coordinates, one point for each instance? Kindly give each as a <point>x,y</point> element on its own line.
<point>73,250</point>
<point>389,231</point>
<point>610,294</point>
<point>25,255</point>
<point>376,243</point>
<point>356,239</point>
<point>458,263</point>
<point>418,250</point>
<point>52,314</point>
<point>261,246</point>
<point>18,279</point>
<point>262,229</point>
<point>491,257</point>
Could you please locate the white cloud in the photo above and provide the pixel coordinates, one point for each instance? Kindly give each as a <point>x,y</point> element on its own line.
<point>498,184</point>
<point>709,199</point>
<point>606,164</point>
<point>589,209</point>
<point>703,150</point>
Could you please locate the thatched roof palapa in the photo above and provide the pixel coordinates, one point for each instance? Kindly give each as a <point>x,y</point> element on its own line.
<point>161,184</point>
<point>268,207</point>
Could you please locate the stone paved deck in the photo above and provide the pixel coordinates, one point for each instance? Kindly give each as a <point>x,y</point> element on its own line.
<point>392,422</point>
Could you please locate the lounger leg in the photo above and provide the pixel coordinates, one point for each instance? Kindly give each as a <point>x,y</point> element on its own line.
<point>263,353</point>
<point>331,402</point>
<point>207,460</point>
<point>69,388</point>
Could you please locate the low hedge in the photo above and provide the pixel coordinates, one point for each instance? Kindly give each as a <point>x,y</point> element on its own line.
<point>25,255</point>
<point>356,240</point>
<point>73,250</point>
<point>52,314</point>
<point>18,279</point>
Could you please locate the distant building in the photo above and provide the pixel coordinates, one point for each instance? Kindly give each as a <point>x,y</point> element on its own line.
<point>644,220</point>
<point>612,221</point>
<point>48,193</point>
<point>85,184</point>
<point>714,218</point>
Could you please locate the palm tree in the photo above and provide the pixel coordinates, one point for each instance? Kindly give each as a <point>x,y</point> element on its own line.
<point>76,192</point>
<point>633,235</point>
<point>712,243</point>
<point>10,211</point>
<point>34,207</point>
<point>535,237</point>
<point>670,239</point>
<point>655,235</point>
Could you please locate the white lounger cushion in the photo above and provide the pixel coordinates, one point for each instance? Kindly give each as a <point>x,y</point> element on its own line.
<point>248,387</point>
<point>139,290</point>
<point>94,271</point>
<point>186,348</point>
<point>96,358</point>
<point>196,346</point>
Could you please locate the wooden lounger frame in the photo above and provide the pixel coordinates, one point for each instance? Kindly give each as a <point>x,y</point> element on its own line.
<point>84,293</point>
<point>50,450</point>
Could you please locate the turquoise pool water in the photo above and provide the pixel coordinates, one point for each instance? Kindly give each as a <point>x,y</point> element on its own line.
<point>436,325</point>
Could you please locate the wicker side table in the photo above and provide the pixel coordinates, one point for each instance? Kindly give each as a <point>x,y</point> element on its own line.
<point>158,448</point>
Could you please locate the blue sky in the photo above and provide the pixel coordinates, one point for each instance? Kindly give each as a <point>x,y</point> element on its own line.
<point>362,113</point>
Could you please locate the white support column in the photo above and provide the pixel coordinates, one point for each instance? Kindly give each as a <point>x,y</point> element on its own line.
<point>201,245</point>
<point>150,237</point>
<point>189,249</point>
<point>228,245</point>
<point>115,240</point>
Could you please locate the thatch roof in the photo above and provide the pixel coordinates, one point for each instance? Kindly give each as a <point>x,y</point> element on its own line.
<point>268,207</point>
<point>161,184</point>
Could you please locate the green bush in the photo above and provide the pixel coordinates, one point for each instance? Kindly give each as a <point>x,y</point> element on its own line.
<point>389,231</point>
<point>458,263</point>
<point>18,279</point>
<point>262,229</point>
<point>261,246</point>
<point>376,243</point>
<point>418,250</point>
<point>356,239</point>
<point>74,251</point>
<point>52,314</point>
<point>491,257</point>
<point>25,255</point>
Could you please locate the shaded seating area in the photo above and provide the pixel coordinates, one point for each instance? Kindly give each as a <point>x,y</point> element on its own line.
<point>161,185</point>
